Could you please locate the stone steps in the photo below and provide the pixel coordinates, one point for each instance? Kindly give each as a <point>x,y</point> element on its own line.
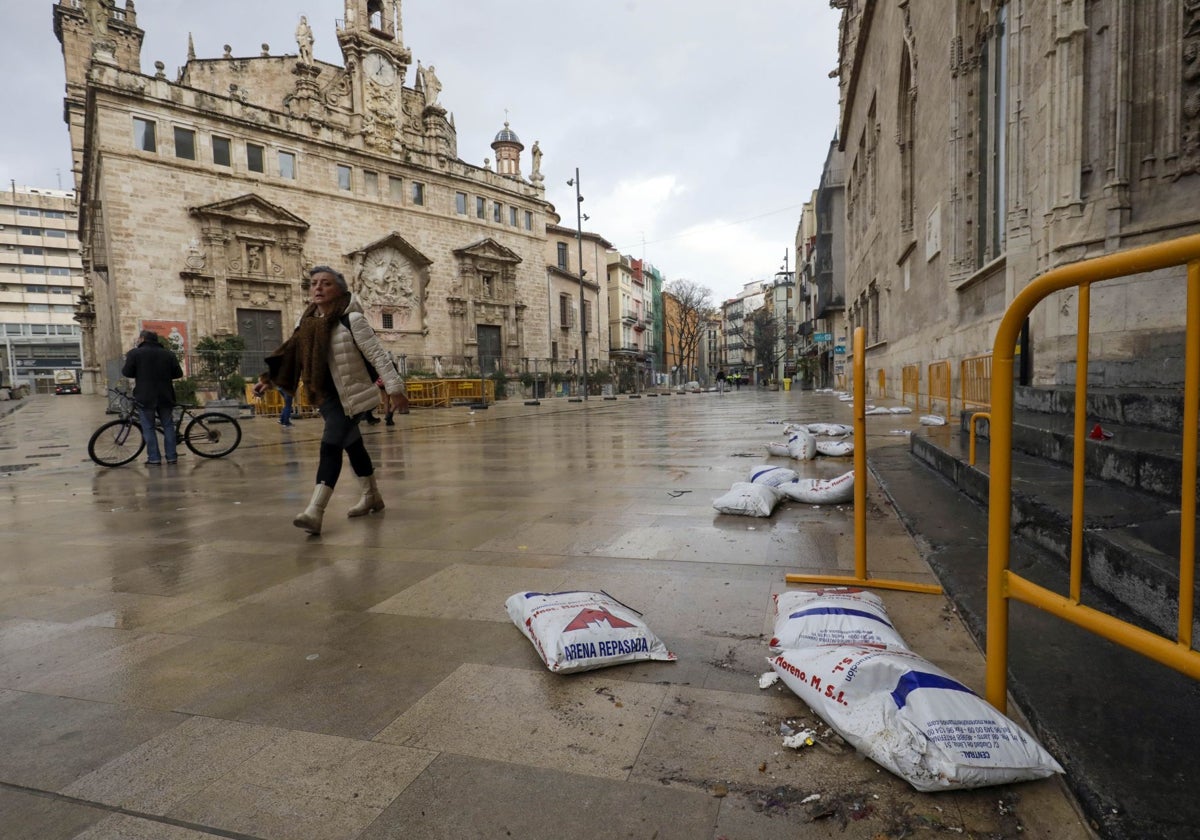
<point>1131,497</point>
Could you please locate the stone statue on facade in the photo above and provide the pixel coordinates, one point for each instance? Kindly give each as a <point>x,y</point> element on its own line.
<point>536,174</point>
<point>430,83</point>
<point>304,38</point>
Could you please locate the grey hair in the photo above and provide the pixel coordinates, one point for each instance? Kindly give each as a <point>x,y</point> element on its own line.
<point>334,273</point>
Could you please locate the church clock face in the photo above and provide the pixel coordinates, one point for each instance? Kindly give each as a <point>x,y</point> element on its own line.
<point>379,69</point>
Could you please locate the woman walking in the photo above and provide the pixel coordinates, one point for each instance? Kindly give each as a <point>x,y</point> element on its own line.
<point>337,356</point>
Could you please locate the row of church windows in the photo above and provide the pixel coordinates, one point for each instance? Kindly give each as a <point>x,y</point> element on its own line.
<point>145,138</point>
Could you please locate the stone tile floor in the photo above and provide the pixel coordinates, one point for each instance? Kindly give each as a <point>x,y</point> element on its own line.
<point>178,661</point>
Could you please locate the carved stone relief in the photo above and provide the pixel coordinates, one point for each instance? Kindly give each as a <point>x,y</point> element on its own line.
<point>390,278</point>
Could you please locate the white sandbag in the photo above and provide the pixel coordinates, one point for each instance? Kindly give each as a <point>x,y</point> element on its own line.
<point>832,616</point>
<point>771,476</point>
<point>831,429</point>
<point>900,409</point>
<point>821,491</point>
<point>779,449</point>
<point>932,420</point>
<point>845,398</point>
<point>835,448</point>
<point>911,717</point>
<point>746,499</point>
<point>878,410</point>
<point>579,631</point>
<point>802,446</point>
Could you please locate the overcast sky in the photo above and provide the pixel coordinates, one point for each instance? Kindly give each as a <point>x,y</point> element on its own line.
<point>699,126</point>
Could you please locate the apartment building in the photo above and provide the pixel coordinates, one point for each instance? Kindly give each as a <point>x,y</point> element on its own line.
<point>41,278</point>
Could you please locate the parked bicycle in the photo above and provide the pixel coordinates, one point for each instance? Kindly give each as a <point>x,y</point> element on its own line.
<point>210,434</point>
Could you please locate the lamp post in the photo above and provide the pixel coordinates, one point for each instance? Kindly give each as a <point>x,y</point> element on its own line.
<point>574,182</point>
<point>786,279</point>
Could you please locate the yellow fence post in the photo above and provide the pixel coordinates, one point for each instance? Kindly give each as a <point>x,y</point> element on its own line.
<point>860,494</point>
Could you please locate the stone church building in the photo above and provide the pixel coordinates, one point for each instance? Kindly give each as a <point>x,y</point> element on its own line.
<point>986,142</point>
<point>205,198</point>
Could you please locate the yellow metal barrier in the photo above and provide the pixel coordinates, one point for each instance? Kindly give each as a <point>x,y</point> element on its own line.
<point>910,385</point>
<point>978,415</point>
<point>427,393</point>
<point>975,381</point>
<point>882,383</point>
<point>1003,583</point>
<point>860,494</point>
<point>939,384</point>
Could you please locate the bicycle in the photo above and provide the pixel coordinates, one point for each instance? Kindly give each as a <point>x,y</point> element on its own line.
<point>209,434</point>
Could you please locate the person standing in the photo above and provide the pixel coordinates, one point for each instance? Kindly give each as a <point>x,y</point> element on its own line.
<point>154,369</point>
<point>330,352</point>
<point>721,381</point>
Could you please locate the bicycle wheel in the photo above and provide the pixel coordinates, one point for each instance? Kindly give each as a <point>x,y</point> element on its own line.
<point>117,442</point>
<point>212,434</point>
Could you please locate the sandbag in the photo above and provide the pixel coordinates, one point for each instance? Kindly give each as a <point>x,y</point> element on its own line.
<point>900,409</point>
<point>832,616</point>
<point>771,476</point>
<point>835,448</point>
<point>821,491</point>
<point>932,420</point>
<point>877,410</point>
<point>831,429</point>
<point>801,445</point>
<point>912,717</point>
<point>779,449</point>
<point>581,631</point>
<point>746,499</point>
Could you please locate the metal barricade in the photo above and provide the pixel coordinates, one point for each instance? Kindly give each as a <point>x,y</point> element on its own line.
<point>939,384</point>
<point>910,385</point>
<point>1003,583</point>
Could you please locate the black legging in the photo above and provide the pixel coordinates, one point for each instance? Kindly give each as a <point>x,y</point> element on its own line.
<point>341,434</point>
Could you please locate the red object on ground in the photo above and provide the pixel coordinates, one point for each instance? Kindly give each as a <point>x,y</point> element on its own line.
<point>1099,434</point>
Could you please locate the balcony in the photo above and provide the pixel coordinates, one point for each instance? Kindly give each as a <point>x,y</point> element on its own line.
<point>639,325</point>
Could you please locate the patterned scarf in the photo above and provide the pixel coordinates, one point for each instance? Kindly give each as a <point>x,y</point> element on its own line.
<point>305,356</point>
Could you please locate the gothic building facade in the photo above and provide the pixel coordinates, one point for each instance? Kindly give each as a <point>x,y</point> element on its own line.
<point>987,142</point>
<point>204,198</point>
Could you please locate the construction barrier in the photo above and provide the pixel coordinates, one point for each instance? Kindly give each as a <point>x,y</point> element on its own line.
<point>1003,583</point>
<point>975,381</point>
<point>882,383</point>
<point>860,577</point>
<point>939,385</point>
<point>910,385</point>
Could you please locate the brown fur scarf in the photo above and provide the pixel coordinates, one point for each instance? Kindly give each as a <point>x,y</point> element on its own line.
<point>305,356</point>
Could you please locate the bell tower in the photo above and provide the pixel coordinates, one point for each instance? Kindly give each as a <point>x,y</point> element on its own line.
<point>93,30</point>
<point>372,41</point>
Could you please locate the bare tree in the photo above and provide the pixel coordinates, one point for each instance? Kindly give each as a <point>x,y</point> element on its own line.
<point>685,326</point>
<point>769,339</point>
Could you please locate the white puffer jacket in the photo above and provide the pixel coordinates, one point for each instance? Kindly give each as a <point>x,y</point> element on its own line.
<point>355,387</point>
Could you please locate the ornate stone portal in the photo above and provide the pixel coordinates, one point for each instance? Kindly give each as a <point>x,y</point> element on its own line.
<point>249,255</point>
<point>390,278</point>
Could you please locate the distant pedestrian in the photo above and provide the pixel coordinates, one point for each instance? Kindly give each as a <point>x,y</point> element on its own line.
<point>721,381</point>
<point>154,368</point>
<point>329,351</point>
<point>285,415</point>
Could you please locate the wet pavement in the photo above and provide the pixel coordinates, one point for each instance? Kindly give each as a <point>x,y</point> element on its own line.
<point>178,661</point>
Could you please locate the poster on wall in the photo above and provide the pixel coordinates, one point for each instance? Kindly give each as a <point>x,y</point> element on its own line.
<point>174,336</point>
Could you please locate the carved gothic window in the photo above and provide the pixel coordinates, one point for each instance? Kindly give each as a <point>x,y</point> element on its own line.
<point>992,125</point>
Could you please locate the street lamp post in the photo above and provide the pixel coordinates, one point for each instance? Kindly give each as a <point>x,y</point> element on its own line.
<point>574,182</point>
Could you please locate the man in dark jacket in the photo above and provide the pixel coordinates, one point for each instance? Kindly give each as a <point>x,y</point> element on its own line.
<point>154,366</point>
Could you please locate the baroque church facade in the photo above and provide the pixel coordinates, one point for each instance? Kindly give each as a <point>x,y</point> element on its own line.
<point>986,142</point>
<point>204,199</point>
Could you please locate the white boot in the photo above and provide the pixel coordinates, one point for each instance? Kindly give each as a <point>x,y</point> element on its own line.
<point>371,501</point>
<point>310,519</point>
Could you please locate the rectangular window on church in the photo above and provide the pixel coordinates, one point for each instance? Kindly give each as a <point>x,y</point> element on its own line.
<point>497,211</point>
<point>371,183</point>
<point>512,216</point>
<point>528,220</point>
<point>185,143</point>
<point>388,321</point>
<point>221,156</point>
<point>287,165</point>
<point>396,188</point>
<point>563,261</point>
<point>480,207</point>
<point>144,136</point>
<point>418,192</point>
<point>343,176</point>
<point>460,203</point>
<point>255,157</point>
